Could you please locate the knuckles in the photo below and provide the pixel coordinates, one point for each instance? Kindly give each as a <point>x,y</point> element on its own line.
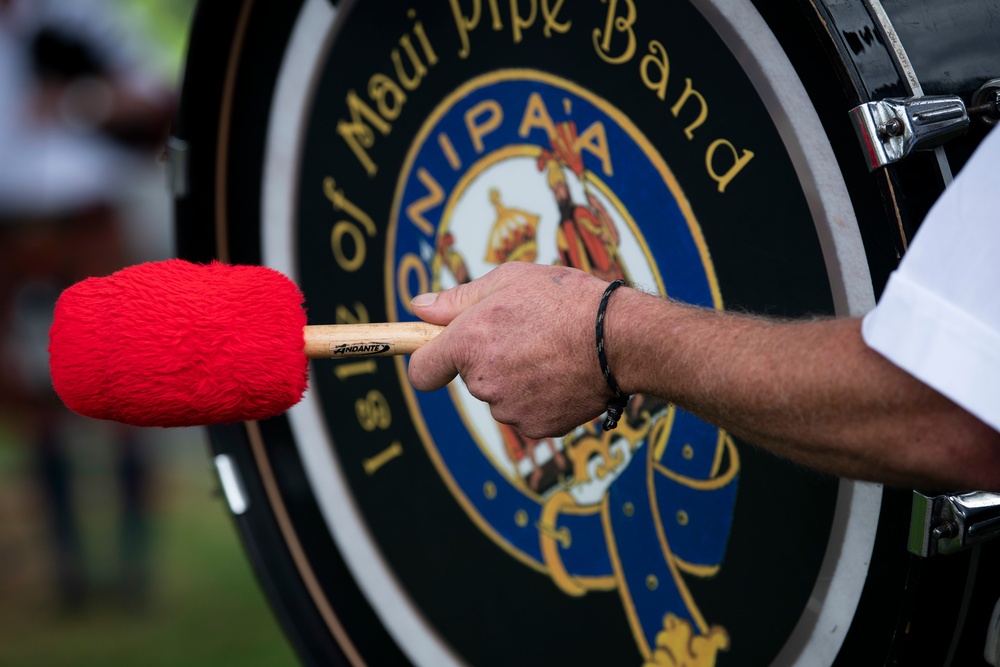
<point>501,352</point>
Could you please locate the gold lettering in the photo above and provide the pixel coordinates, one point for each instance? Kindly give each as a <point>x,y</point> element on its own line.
<point>739,161</point>
<point>342,203</point>
<point>517,22</point>
<point>434,197</point>
<point>550,15</point>
<point>495,12</point>
<point>388,96</point>
<point>347,370</point>
<point>493,113</point>
<point>357,134</point>
<point>520,21</point>
<point>595,141</point>
<point>344,316</point>
<point>373,411</point>
<point>450,154</point>
<point>425,44</point>
<point>702,113</point>
<point>348,263</point>
<point>536,115</point>
<point>619,24</point>
<point>373,464</point>
<point>419,70</point>
<point>657,57</point>
<point>347,228</point>
<point>465,24</point>
<point>411,264</point>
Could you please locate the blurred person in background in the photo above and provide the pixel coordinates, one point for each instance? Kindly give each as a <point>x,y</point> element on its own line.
<point>80,113</point>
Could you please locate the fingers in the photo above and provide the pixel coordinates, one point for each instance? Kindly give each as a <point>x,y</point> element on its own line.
<point>554,421</point>
<point>522,339</point>
<point>437,363</point>
<point>432,366</point>
<point>514,278</point>
<point>443,307</point>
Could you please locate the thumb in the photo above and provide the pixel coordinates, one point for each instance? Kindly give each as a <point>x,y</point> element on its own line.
<point>443,307</point>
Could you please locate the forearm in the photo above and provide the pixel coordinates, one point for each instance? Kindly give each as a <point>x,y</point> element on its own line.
<point>522,339</point>
<point>811,391</point>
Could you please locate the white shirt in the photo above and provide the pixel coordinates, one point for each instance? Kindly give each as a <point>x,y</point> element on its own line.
<point>48,166</point>
<point>939,317</point>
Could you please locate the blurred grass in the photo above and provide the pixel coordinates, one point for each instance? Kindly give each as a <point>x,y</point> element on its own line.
<point>204,608</point>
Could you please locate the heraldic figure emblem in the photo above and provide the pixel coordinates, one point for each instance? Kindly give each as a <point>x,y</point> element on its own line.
<point>518,165</point>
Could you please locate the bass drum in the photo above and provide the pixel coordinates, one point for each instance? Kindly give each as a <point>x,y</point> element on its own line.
<point>703,150</point>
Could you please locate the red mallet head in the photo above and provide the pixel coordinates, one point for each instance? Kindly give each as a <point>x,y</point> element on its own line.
<point>179,344</point>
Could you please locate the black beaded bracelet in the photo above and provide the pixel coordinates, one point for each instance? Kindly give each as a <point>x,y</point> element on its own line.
<point>616,406</point>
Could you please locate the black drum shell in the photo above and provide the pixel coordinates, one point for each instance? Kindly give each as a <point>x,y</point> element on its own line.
<point>911,611</point>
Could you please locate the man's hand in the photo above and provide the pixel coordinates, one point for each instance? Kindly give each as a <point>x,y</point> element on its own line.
<point>522,339</point>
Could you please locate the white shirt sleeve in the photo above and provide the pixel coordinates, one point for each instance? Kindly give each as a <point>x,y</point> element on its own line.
<point>939,317</point>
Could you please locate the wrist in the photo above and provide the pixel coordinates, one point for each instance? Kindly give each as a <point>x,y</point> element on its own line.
<point>623,340</point>
<point>619,400</point>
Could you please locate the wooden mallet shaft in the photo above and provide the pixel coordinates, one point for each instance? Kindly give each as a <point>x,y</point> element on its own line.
<point>334,341</point>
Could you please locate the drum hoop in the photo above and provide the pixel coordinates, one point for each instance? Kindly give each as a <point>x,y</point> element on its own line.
<point>254,437</point>
<point>910,79</point>
<point>314,32</point>
<point>844,568</point>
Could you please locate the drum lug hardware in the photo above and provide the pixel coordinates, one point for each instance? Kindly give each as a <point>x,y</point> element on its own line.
<point>945,524</point>
<point>892,128</point>
<point>986,102</point>
<point>232,484</point>
<point>177,167</point>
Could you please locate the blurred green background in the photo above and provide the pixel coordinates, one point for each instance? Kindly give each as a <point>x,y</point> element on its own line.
<point>203,606</point>
<point>186,595</point>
